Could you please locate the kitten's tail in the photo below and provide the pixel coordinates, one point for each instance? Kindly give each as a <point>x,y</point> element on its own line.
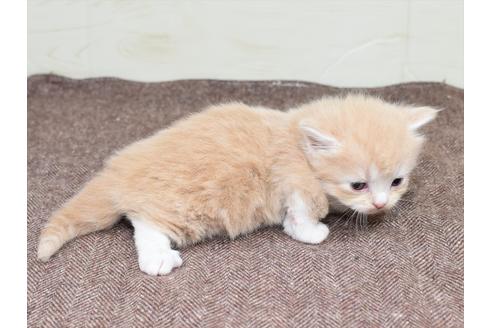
<point>90,210</point>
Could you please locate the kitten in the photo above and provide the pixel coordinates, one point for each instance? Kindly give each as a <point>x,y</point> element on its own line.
<point>234,168</point>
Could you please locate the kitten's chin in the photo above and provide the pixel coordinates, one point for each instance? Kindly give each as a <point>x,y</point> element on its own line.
<point>371,211</point>
<point>375,212</point>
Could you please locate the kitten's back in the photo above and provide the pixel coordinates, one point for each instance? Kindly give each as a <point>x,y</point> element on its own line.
<point>193,179</point>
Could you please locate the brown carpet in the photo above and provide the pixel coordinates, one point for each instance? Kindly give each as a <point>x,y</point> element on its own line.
<point>403,271</point>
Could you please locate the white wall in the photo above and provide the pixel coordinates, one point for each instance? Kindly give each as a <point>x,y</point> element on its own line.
<point>342,43</point>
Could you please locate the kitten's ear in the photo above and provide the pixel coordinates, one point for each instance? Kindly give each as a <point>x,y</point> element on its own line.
<point>420,116</point>
<point>318,142</point>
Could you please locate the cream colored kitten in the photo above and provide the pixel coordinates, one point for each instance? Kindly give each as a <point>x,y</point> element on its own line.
<point>234,168</point>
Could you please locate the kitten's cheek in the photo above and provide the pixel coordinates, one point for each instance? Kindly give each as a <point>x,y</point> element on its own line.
<point>364,209</point>
<point>393,201</point>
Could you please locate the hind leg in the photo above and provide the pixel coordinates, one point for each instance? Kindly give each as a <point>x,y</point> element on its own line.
<point>155,256</point>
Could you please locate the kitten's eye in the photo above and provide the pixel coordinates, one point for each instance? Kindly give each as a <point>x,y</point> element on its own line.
<point>396,182</point>
<point>358,185</point>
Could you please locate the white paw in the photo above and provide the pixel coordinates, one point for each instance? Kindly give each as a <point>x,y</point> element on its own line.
<point>159,262</point>
<point>46,248</point>
<point>308,232</point>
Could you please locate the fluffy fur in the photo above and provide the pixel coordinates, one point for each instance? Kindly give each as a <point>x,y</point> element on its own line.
<point>233,168</point>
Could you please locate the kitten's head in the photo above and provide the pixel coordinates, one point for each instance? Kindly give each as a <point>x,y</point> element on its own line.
<point>363,149</point>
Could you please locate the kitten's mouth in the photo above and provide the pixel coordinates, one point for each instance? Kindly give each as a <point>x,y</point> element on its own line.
<point>374,211</point>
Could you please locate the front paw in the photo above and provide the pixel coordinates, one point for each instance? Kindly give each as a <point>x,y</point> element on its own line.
<point>156,263</point>
<point>307,232</point>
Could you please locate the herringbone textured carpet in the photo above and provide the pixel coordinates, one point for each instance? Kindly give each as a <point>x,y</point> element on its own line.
<point>405,270</point>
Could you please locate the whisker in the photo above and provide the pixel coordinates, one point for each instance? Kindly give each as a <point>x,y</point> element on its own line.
<point>350,218</point>
<point>359,222</point>
<point>364,221</point>
<point>344,214</point>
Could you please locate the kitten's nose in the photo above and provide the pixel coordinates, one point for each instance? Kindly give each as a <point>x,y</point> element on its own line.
<point>379,205</point>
